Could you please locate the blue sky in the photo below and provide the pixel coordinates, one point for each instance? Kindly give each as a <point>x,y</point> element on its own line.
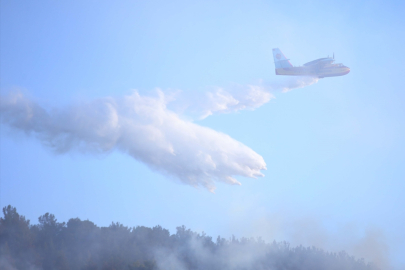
<point>334,149</point>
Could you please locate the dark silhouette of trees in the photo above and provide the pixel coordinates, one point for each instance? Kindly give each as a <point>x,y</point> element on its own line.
<point>81,245</point>
<point>16,239</point>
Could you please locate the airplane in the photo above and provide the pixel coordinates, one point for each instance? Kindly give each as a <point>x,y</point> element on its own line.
<point>322,67</point>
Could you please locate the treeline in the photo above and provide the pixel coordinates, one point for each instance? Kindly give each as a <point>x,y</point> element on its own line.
<point>80,244</point>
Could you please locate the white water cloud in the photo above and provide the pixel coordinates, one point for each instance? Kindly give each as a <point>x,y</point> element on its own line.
<point>221,100</point>
<point>234,98</point>
<point>145,128</point>
<point>290,83</point>
<point>142,127</point>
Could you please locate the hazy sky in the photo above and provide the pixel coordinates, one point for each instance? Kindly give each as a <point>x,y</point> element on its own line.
<point>334,150</point>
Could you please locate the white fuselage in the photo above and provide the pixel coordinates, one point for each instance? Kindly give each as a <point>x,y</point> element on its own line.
<point>329,70</point>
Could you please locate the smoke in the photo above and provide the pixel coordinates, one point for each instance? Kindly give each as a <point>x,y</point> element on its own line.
<point>152,129</point>
<point>5,264</point>
<point>168,260</point>
<point>373,246</point>
<point>370,244</point>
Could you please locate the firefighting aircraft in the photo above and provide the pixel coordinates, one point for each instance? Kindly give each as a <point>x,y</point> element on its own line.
<point>322,67</point>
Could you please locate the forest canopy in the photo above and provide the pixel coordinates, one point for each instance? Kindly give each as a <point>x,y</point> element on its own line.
<point>82,245</point>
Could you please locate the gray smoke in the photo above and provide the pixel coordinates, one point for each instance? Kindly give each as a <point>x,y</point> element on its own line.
<point>370,244</point>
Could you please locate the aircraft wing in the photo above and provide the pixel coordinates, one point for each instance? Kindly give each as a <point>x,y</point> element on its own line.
<point>319,63</point>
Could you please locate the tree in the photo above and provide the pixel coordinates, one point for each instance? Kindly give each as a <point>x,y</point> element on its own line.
<point>16,240</point>
<point>81,245</point>
<point>48,241</point>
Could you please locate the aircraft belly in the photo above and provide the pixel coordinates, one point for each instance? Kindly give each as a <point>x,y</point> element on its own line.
<point>301,71</point>
<point>294,72</point>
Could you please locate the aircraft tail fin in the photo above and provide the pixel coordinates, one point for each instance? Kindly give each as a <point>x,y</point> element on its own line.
<point>280,60</point>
